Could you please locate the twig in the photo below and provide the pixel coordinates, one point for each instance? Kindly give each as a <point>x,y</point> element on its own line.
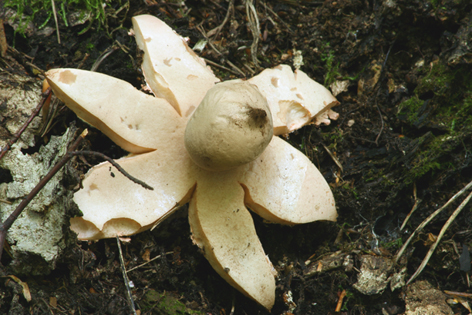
<point>415,206</point>
<point>3,40</point>
<point>147,262</point>
<point>461,294</point>
<point>428,219</point>
<point>287,26</point>
<point>125,278</point>
<point>236,68</point>
<point>55,20</point>
<point>253,20</point>
<point>116,165</point>
<point>18,134</point>
<point>441,234</point>
<point>233,300</point>
<point>333,157</point>
<point>249,69</point>
<point>14,215</point>
<point>217,30</point>
<point>103,56</point>
<point>382,70</point>
<point>341,297</point>
<point>382,125</point>
<point>220,66</point>
<point>202,31</point>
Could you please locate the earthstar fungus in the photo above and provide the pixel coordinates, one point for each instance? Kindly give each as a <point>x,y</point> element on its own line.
<point>271,178</point>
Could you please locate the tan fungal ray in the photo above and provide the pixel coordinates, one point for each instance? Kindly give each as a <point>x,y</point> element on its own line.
<point>114,205</point>
<point>223,228</point>
<point>172,70</point>
<point>135,121</point>
<point>294,99</point>
<point>283,186</point>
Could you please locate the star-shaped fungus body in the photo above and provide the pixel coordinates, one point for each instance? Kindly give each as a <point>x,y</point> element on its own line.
<point>280,184</point>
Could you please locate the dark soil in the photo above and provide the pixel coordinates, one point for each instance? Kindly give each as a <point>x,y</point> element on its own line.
<point>405,126</point>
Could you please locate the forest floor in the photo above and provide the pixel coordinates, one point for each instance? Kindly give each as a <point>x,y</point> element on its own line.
<point>403,140</point>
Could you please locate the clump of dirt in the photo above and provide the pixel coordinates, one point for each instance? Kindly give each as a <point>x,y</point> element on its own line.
<point>403,137</point>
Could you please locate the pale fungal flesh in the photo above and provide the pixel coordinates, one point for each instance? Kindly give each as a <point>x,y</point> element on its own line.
<point>294,99</point>
<point>172,67</point>
<point>281,184</point>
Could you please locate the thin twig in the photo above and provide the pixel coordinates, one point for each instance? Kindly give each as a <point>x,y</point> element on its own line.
<point>125,278</point>
<point>428,219</point>
<point>3,40</point>
<point>333,157</point>
<point>116,165</point>
<point>253,20</point>
<point>382,70</point>
<point>415,206</point>
<point>103,56</point>
<point>341,297</point>
<point>14,215</point>
<point>220,66</point>
<point>249,69</point>
<point>233,303</point>
<point>217,30</point>
<point>55,20</point>
<point>382,125</point>
<point>147,262</point>
<point>287,26</point>
<point>18,134</point>
<point>236,68</point>
<point>202,31</point>
<point>438,239</point>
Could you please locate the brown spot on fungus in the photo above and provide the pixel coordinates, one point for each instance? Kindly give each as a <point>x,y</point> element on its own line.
<point>67,77</point>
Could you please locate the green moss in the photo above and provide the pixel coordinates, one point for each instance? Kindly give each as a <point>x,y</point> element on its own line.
<point>441,107</point>
<point>350,190</point>
<point>333,136</point>
<point>433,156</point>
<point>164,303</point>
<point>408,109</point>
<point>90,47</point>
<point>332,68</point>
<point>95,11</point>
<point>395,244</point>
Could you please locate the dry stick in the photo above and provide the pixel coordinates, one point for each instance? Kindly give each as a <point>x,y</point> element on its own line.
<point>253,20</point>
<point>216,31</point>
<point>147,262</point>
<point>125,278</point>
<point>441,234</point>
<point>222,67</point>
<point>236,68</point>
<point>381,120</point>
<point>202,30</point>
<point>341,297</point>
<point>378,92</point>
<point>55,20</point>
<point>415,206</point>
<point>14,215</point>
<point>116,165</point>
<point>428,219</point>
<point>287,26</point>
<point>103,56</point>
<point>18,134</point>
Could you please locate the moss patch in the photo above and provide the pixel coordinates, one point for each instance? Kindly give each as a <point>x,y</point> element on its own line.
<point>441,109</point>
<point>165,303</point>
